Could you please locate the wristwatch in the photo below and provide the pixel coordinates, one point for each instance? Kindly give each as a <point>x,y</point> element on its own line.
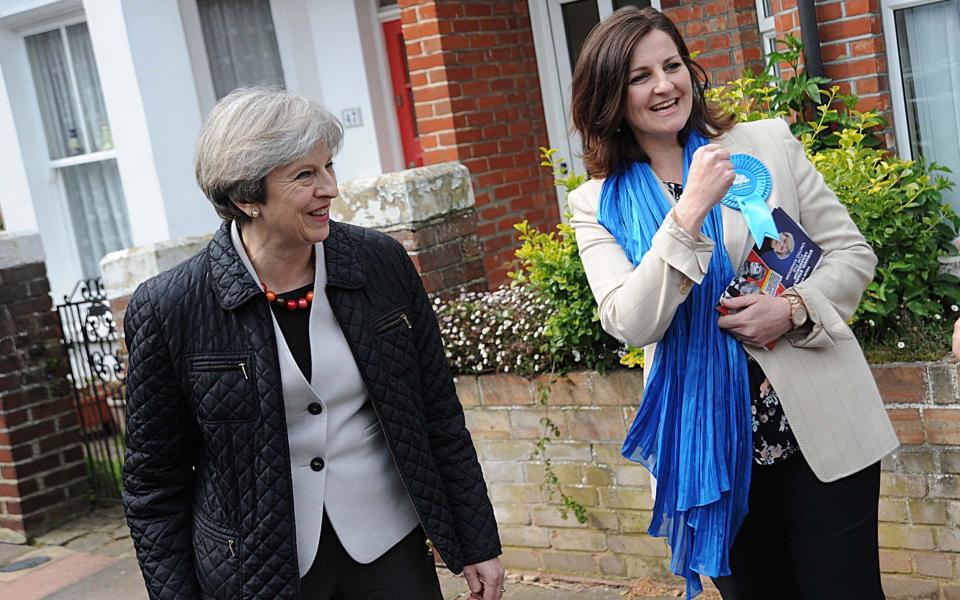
<point>798,311</point>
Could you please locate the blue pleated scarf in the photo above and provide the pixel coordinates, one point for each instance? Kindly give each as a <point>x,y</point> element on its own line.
<point>693,429</point>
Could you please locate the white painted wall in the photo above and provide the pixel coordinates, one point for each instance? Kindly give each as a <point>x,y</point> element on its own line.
<point>344,83</point>
<point>156,90</point>
<point>147,63</point>
<point>31,196</point>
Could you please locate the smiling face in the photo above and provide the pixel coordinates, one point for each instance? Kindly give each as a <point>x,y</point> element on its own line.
<point>297,201</point>
<point>659,90</point>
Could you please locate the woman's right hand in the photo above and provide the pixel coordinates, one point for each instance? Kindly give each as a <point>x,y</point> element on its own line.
<point>710,176</point>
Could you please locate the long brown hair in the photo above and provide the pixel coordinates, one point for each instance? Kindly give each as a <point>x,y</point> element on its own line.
<point>600,80</point>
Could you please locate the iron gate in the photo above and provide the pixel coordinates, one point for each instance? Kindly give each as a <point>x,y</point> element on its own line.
<point>92,346</point>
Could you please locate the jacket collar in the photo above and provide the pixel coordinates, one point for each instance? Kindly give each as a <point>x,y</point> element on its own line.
<point>234,285</point>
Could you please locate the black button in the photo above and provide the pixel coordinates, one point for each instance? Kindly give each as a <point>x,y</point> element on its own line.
<point>315,408</point>
<point>316,464</point>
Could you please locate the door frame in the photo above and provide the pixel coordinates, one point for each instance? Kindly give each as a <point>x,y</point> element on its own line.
<point>555,75</point>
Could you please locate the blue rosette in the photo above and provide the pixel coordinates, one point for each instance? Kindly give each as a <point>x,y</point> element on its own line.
<point>749,193</point>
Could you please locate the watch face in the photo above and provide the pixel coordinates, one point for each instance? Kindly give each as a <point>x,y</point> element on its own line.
<point>799,315</point>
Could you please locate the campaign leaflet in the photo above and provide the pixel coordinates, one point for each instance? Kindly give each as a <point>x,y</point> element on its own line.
<point>777,264</point>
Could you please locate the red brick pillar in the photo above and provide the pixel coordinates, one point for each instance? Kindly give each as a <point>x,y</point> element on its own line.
<point>852,48</point>
<point>42,474</point>
<point>430,210</point>
<point>477,96</point>
<point>724,32</point>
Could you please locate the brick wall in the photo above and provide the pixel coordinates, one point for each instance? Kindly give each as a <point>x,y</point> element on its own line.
<point>447,254</point>
<point>920,485</point>
<point>724,32</point>
<point>919,532</point>
<point>42,473</point>
<point>477,98</point>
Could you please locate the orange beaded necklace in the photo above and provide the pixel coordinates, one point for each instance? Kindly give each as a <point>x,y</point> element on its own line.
<point>302,303</point>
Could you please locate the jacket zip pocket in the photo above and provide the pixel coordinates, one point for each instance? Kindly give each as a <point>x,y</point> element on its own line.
<point>241,363</point>
<point>218,566</point>
<point>401,318</point>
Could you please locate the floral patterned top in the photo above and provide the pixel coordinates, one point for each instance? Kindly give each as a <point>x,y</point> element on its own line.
<point>773,440</point>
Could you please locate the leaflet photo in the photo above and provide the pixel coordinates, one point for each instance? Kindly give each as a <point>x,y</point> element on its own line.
<point>776,265</point>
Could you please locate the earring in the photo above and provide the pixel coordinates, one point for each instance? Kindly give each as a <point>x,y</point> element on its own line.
<point>255,212</point>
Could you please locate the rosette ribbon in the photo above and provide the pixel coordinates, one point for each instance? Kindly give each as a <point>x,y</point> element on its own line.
<point>749,193</point>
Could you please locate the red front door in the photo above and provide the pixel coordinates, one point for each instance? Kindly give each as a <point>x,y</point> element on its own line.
<point>402,94</point>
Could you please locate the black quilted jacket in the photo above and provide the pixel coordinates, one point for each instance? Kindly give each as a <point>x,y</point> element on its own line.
<point>208,492</point>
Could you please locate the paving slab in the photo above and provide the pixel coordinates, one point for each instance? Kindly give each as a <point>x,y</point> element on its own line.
<point>39,582</point>
<point>10,552</point>
<point>120,581</point>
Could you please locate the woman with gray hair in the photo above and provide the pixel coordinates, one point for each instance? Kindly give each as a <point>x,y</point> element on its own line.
<point>293,430</point>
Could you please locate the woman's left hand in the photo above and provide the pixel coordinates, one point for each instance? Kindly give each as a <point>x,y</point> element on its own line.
<point>485,579</point>
<point>761,318</point>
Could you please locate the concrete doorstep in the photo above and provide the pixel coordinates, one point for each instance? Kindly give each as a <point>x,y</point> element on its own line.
<point>92,558</point>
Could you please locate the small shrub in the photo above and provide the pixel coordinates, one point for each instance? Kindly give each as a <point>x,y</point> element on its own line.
<point>897,205</point>
<point>797,98</point>
<point>550,265</point>
<point>500,331</point>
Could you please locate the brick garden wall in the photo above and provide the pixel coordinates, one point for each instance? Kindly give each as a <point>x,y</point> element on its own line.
<point>477,98</point>
<point>919,511</point>
<point>42,473</point>
<point>920,486</point>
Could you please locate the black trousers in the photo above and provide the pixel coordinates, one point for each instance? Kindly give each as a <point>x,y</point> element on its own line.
<point>404,572</point>
<point>807,540</point>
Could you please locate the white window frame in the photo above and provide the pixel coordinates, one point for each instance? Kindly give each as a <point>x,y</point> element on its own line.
<point>901,128</point>
<point>552,70</point>
<point>86,157</point>
<point>59,199</point>
<point>200,62</point>
<point>768,30</point>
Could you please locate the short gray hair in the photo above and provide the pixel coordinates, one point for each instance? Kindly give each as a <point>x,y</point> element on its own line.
<point>248,134</point>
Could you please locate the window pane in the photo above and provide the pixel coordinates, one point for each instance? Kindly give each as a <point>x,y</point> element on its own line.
<point>97,211</point>
<point>241,44</point>
<point>621,3</point>
<point>578,19</point>
<point>88,85</point>
<point>58,108</point>
<point>928,38</point>
<point>767,8</point>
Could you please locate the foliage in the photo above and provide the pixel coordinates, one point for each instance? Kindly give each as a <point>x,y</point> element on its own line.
<point>499,331</point>
<point>910,339</point>
<point>898,206</point>
<point>550,264</point>
<point>797,98</point>
<point>551,481</point>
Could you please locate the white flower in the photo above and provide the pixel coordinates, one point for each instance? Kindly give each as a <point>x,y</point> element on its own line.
<point>954,307</point>
<point>872,323</point>
<point>901,345</point>
<point>937,316</point>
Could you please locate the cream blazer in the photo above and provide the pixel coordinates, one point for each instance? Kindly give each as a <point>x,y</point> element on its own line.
<point>823,381</point>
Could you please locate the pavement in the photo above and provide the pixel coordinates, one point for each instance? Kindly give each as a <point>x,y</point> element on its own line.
<point>92,558</point>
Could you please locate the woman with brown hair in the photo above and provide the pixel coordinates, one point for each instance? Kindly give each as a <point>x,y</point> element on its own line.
<point>766,461</point>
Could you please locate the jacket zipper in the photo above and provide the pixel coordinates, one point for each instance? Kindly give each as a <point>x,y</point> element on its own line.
<point>230,543</point>
<point>401,318</point>
<point>393,457</point>
<point>222,366</point>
